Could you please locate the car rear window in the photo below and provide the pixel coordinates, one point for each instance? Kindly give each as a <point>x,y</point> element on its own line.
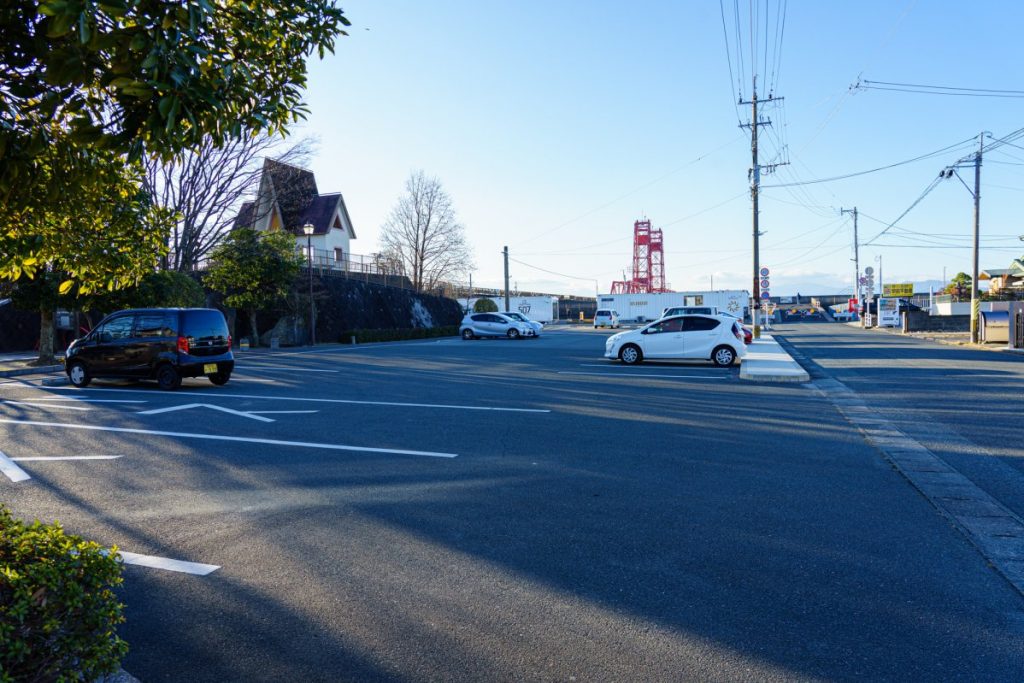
<point>204,323</point>
<point>604,314</point>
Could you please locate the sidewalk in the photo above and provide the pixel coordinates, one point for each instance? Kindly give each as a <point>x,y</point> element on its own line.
<point>17,364</point>
<point>766,361</point>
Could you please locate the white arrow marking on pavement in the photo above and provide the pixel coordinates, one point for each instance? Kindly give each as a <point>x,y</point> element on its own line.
<point>13,472</point>
<point>68,457</point>
<point>32,404</point>
<point>187,406</point>
<point>217,437</point>
<point>155,562</point>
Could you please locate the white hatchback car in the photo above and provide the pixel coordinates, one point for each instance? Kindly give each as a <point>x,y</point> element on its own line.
<point>516,315</point>
<point>493,325</point>
<point>718,338</point>
<point>605,317</point>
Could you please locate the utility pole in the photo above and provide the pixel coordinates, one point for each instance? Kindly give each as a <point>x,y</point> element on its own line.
<point>975,299</point>
<point>881,282</point>
<point>506,279</point>
<point>755,187</point>
<point>856,260</point>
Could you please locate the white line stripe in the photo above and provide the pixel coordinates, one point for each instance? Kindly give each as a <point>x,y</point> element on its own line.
<point>614,364</point>
<point>155,562</point>
<point>12,471</point>
<point>216,437</point>
<point>69,457</point>
<point>216,394</point>
<point>55,406</point>
<point>282,412</point>
<point>639,375</point>
<point>239,413</point>
<point>279,367</point>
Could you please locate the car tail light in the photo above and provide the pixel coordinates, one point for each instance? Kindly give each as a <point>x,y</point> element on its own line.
<point>736,332</point>
<point>229,341</point>
<point>183,345</point>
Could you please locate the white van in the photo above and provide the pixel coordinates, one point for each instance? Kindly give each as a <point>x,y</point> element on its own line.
<point>606,317</point>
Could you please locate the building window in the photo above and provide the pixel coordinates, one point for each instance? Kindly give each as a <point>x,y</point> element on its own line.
<point>339,255</point>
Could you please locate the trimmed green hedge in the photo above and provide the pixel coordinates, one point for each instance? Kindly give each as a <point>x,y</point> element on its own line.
<point>368,336</point>
<point>58,612</point>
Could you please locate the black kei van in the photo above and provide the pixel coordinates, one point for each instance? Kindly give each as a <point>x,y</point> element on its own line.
<point>165,344</point>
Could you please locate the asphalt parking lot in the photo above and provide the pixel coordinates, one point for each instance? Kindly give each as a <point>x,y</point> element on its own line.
<point>495,510</point>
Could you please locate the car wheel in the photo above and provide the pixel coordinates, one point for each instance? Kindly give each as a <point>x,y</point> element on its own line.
<point>630,354</point>
<point>168,378</point>
<point>513,333</point>
<point>220,378</point>
<point>723,356</point>
<point>467,334</point>
<point>78,374</point>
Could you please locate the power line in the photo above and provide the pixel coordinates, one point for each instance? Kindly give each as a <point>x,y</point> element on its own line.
<point>931,186</point>
<point>875,170</point>
<point>728,59</point>
<point>550,272</point>
<point>937,89</point>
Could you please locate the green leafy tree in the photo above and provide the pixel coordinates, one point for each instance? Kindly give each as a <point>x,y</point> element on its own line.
<point>254,270</point>
<point>960,285</point>
<point>87,89</point>
<point>485,306</point>
<point>164,289</point>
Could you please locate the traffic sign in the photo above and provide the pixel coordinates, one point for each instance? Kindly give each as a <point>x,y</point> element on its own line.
<point>764,283</point>
<point>765,295</point>
<point>764,272</point>
<point>869,271</point>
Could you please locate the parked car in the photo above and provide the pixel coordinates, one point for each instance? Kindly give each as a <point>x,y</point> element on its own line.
<point>165,344</point>
<point>718,338</point>
<point>689,310</point>
<point>478,325</point>
<point>516,315</point>
<point>605,317</point>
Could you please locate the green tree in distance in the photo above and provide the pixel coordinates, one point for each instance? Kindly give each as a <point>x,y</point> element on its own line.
<point>485,306</point>
<point>254,270</point>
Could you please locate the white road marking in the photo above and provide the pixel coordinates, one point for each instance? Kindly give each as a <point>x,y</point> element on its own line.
<point>614,364</point>
<point>253,379</point>
<point>280,367</point>
<point>85,400</point>
<point>282,412</point>
<point>634,376</point>
<point>33,404</point>
<point>12,471</point>
<point>155,562</point>
<point>187,406</point>
<point>217,394</point>
<point>217,437</point>
<point>68,457</point>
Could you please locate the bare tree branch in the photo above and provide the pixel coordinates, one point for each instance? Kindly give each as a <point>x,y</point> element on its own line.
<point>207,185</point>
<point>423,232</point>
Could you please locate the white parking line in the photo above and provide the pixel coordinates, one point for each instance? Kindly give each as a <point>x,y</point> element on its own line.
<point>282,412</point>
<point>634,376</point>
<point>217,437</point>
<point>187,406</point>
<point>54,406</point>
<point>155,562</point>
<point>216,394</point>
<point>12,471</point>
<point>67,457</point>
<point>84,400</point>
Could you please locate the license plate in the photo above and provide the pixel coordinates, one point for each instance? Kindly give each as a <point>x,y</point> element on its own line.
<point>209,368</point>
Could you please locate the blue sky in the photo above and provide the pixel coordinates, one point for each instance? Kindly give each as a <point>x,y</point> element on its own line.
<point>554,126</point>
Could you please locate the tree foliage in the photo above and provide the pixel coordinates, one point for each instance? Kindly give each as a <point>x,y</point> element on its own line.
<point>254,270</point>
<point>88,88</point>
<point>424,233</point>
<point>485,306</point>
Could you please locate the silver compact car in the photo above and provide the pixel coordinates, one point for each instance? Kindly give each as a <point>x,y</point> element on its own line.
<point>476,325</point>
<point>718,338</point>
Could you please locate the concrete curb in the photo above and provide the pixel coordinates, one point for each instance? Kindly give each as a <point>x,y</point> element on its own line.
<point>39,370</point>
<point>767,361</point>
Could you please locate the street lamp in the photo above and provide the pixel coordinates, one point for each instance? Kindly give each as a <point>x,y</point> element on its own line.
<point>308,230</point>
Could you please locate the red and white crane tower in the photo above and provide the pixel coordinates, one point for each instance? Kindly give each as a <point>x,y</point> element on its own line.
<point>648,262</point>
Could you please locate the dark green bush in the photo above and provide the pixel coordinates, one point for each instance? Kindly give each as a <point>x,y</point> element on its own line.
<point>485,306</point>
<point>368,336</point>
<point>58,612</point>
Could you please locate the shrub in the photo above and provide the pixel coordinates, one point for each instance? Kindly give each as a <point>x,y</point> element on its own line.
<point>368,336</point>
<point>58,613</point>
<point>485,306</point>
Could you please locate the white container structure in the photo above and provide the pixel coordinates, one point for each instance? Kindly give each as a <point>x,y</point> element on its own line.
<point>647,307</point>
<point>542,309</point>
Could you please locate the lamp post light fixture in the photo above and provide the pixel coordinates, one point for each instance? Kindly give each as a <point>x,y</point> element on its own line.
<point>307,229</point>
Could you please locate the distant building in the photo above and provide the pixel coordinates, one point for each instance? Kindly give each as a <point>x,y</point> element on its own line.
<point>1005,279</point>
<point>287,200</point>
